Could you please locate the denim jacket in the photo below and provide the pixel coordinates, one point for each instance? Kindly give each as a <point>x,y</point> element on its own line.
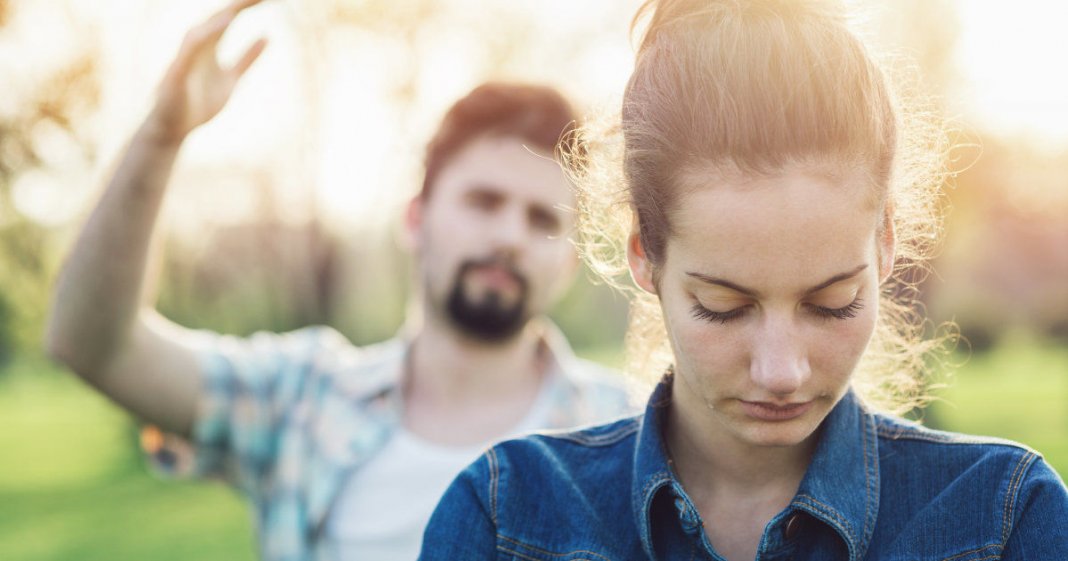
<point>878,488</point>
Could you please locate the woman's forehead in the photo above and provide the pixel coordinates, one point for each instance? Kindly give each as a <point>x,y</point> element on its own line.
<point>771,225</point>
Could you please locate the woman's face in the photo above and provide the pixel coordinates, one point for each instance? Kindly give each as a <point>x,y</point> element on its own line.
<point>769,289</point>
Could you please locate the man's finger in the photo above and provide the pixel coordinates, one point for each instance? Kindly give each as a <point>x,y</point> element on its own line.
<point>197,39</point>
<point>239,5</point>
<point>216,25</point>
<point>208,34</point>
<point>249,57</point>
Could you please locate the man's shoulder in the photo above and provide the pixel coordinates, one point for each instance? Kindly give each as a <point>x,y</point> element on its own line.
<point>606,392</point>
<point>318,351</point>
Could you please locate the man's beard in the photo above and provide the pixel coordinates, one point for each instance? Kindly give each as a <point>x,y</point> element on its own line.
<point>488,318</point>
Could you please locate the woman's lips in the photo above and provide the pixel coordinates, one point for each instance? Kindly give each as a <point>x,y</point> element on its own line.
<point>766,411</point>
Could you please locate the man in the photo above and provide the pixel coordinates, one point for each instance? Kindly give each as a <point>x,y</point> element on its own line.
<point>344,451</point>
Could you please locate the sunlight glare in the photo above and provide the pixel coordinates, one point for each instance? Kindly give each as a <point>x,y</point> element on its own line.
<point>1012,56</point>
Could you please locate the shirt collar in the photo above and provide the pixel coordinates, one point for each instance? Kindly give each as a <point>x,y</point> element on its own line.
<point>840,487</point>
<point>375,372</point>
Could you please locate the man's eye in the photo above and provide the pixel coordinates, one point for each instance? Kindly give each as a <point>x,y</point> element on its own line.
<point>544,221</point>
<point>484,202</point>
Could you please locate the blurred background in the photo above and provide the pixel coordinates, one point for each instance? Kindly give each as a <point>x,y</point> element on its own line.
<point>283,211</point>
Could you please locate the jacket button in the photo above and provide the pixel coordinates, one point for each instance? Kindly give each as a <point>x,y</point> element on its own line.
<point>793,526</point>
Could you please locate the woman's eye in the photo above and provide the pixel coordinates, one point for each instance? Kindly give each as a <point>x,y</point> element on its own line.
<point>845,312</point>
<point>701,312</point>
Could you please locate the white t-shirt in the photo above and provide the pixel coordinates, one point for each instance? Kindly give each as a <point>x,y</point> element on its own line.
<point>384,507</point>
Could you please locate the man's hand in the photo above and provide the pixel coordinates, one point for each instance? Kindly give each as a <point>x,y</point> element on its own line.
<point>195,87</point>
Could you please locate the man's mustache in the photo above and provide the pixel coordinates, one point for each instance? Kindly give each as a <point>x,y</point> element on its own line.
<point>499,262</point>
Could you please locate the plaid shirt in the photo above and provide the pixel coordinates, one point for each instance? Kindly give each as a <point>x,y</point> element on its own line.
<point>287,418</point>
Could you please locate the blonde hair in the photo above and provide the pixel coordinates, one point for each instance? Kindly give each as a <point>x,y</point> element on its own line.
<point>754,86</point>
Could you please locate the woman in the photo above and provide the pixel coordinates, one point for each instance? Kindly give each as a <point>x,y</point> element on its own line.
<point>773,181</point>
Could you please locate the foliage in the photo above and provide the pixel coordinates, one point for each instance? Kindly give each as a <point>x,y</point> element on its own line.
<point>23,289</point>
<point>51,107</point>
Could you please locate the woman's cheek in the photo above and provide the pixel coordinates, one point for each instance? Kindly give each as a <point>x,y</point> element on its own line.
<point>841,348</point>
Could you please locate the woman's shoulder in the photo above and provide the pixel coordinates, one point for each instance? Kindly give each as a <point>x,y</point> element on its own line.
<point>995,490</point>
<point>550,495</point>
<point>579,458</point>
<point>577,445</point>
<point>910,445</point>
<point>895,431</point>
<point>980,468</point>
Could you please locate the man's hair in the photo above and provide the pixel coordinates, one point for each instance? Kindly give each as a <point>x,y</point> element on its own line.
<point>538,115</point>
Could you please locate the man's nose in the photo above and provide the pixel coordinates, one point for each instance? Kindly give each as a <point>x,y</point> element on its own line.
<point>509,230</point>
<point>779,362</point>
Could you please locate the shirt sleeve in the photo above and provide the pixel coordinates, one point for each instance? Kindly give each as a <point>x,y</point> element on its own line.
<point>1040,528</point>
<point>247,387</point>
<point>463,524</point>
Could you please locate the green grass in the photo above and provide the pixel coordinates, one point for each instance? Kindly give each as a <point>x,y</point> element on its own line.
<point>73,486</point>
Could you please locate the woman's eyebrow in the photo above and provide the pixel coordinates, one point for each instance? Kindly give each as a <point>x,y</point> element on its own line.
<point>755,294</point>
<point>837,278</point>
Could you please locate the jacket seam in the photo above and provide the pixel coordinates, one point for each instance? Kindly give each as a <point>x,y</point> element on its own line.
<point>971,551</point>
<point>504,549</point>
<point>608,438</point>
<point>907,433</point>
<point>1010,499</point>
<point>544,551</point>
<point>491,459</point>
<point>868,527</point>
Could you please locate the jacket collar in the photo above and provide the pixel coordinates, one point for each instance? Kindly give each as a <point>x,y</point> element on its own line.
<point>651,473</point>
<point>840,487</point>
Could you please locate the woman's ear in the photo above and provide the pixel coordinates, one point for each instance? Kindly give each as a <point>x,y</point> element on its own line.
<point>887,244</point>
<point>641,269</point>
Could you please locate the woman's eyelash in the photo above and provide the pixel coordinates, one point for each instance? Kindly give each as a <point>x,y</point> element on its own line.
<point>845,312</point>
<point>701,312</point>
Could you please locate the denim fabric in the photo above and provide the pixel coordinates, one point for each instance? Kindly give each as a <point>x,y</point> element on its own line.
<point>288,418</point>
<point>878,488</point>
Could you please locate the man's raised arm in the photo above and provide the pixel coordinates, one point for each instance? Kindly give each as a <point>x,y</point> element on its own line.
<point>102,324</point>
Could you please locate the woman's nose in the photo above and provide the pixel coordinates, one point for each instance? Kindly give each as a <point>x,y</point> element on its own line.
<point>779,361</point>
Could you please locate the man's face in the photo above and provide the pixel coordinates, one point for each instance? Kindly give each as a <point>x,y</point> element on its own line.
<point>492,238</point>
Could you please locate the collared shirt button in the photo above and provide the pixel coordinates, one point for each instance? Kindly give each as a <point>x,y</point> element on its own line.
<point>792,526</point>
